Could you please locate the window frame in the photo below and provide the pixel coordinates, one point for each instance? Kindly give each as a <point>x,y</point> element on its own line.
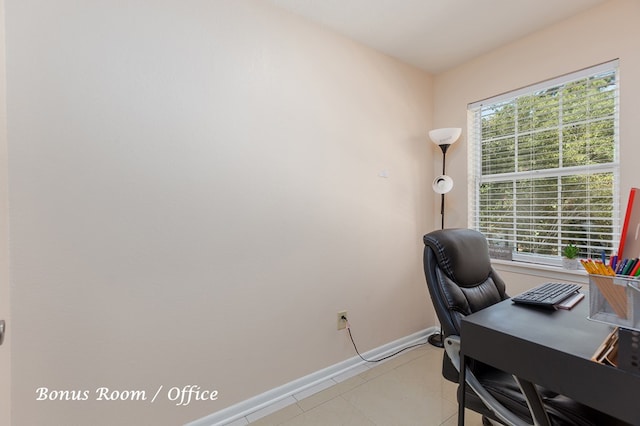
<point>476,179</point>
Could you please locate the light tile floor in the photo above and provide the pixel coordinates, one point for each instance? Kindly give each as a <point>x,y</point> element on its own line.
<point>406,390</point>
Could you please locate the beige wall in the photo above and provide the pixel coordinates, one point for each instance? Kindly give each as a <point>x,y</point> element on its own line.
<point>606,32</point>
<point>5,349</point>
<point>195,195</point>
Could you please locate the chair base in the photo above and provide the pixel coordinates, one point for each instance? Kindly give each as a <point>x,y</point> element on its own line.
<point>436,340</point>
<point>486,421</point>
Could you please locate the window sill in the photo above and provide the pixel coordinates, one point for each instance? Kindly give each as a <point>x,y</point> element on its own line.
<point>548,272</point>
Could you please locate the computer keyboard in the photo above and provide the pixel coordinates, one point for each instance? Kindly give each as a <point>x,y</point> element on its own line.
<point>547,295</point>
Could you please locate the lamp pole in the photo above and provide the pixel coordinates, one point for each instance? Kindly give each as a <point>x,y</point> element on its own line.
<point>442,184</point>
<point>437,338</point>
<point>444,149</point>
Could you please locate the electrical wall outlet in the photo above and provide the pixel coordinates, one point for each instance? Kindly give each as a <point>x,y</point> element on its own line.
<point>342,323</point>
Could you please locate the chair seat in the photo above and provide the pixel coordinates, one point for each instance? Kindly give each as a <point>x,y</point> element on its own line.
<point>562,411</point>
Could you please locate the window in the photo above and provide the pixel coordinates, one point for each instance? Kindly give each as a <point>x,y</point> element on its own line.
<point>544,166</point>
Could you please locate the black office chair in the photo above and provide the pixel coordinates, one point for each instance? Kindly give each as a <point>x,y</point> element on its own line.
<point>461,281</point>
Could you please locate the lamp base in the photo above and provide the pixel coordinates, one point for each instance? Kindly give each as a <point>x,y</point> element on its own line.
<point>436,340</point>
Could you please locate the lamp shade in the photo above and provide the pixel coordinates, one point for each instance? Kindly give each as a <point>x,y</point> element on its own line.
<point>445,136</point>
<point>442,184</point>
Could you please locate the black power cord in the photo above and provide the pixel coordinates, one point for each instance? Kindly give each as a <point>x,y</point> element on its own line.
<point>380,359</point>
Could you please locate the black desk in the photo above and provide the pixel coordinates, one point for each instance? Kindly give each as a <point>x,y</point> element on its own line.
<point>552,349</point>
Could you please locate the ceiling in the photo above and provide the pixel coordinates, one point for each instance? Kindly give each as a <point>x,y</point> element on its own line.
<point>435,35</point>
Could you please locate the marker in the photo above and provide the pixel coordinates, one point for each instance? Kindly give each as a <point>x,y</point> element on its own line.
<point>629,266</point>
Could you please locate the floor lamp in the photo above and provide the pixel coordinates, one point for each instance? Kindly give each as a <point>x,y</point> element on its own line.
<point>442,184</point>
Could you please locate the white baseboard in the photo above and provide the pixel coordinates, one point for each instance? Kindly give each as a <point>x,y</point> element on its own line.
<point>247,407</point>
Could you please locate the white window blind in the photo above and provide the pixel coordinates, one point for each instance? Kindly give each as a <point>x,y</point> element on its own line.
<point>544,166</point>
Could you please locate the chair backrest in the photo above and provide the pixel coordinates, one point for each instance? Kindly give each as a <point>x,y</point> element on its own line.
<point>460,279</point>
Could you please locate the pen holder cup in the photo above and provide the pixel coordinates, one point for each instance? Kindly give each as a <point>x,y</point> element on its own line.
<point>615,300</point>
